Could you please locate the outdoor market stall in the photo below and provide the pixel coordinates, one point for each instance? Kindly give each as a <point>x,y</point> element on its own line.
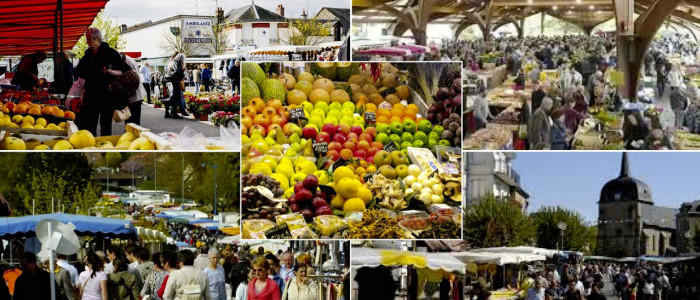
<point>351,150</point>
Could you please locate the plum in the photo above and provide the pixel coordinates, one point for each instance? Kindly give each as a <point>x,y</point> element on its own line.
<point>324,210</point>
<point>303,195</point>
<point>294,207</point>
<point>310,182</point>
<point>307,213</point>
<point>298,186</point>
<point>318,202</point>
<point>321,194</point>
<point>292,200</point>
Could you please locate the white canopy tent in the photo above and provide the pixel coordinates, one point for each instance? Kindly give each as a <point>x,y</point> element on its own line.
<point>368,257</point>
<point>282,50</point>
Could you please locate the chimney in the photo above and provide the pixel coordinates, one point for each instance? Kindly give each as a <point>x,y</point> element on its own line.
<point>280,10</point>
<point>303,14</point>
<point>124,27</point>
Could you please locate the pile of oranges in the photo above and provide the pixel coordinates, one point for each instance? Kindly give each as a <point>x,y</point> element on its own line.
<point>28,108</point>
<point>395,113</point>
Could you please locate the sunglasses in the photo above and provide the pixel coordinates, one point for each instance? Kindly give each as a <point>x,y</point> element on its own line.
<point>258,270</point>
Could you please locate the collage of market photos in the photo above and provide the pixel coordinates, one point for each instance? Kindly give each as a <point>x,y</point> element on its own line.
<point>350,150</point>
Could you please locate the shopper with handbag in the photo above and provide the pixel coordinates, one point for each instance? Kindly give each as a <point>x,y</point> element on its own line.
<point>134,99</point>
<point>94,285</point>
<point>100,66</point>
<point>174,76</point>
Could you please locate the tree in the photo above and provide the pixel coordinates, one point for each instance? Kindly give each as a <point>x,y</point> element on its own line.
<point>305,32</point>
<point>172,43</point>
<point>113,159</point>
<point>219,40</point>
<point>577,235</point>
<point>495,223</point>
<point>111,32</point>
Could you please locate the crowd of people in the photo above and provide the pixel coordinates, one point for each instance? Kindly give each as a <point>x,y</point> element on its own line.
<point>133,272</point>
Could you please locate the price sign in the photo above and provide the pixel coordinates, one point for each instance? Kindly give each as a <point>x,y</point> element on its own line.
<point>278,232</point>
<point>297,113</point>
<point>342,231</point>
<point>370,117</point>
<point>369,177</point>
<point>391,146</point>
<point>339,163</point>
<point>320,148</point>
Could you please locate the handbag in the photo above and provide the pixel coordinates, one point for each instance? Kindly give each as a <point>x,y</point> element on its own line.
<point>125,84</point>
<point>121,115</point>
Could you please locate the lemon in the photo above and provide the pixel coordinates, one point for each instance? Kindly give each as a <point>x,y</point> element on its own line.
<point>38,126</point>
<point>28,119</point>
<point>285,169</point>
<point>342,172</point>
<point>347,187</point>
<point>62,125</point>
<point>283,180</point>
<point>17,119</point>
<point>365,194</point>
<point>288,193</point>
<point>27,125</point>
<point>41,121</point>
<point>42,147</point>
<point>322,177</point>
<point>306,167</point>
<point>337,202</point>
<point>353,205</point>
<point>261,168</point>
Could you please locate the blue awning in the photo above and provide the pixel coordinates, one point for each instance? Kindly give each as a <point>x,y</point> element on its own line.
<point>84,225</point>
<point>202,221</point>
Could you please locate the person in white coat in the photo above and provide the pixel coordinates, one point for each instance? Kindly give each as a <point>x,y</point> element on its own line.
<point>187,282</point>
<point>675,77</point>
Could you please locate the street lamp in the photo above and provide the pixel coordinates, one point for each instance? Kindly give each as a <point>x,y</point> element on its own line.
<point>216,186</point>
<point>562,228</point>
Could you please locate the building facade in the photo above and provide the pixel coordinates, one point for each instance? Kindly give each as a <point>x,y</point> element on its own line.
<point>251,26</point>
<point>688,224</point>
<point>629,224</point>
<point>493,174</point>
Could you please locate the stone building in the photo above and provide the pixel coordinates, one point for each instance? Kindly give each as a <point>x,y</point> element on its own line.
<point>688,224</point>
<point>629,224</point>
<point>492,173</point>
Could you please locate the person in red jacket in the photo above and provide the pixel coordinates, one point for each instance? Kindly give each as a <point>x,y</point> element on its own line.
<point>262,287</point>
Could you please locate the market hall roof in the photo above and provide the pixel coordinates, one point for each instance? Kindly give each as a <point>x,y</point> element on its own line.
<point>28,25</point>
<point>625,187</point>
<point>341,14</point>
<point>253,13</point>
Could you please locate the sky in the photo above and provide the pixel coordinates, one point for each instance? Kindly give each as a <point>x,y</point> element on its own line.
<point>574,180</point>
<point>132,12</point>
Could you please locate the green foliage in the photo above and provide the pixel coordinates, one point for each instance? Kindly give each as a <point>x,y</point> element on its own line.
<point>306,32</point>
<point>111,32</point>
<point>495,223</point>
<point>113,159</point>
<point>577,235</point>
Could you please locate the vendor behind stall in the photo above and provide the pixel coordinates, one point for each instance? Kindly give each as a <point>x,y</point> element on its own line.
<point>28,70</point>
<point>64,86</point>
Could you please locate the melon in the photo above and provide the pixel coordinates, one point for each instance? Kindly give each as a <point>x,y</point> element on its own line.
<point>287,80</point>
<point>340,96</point>
<point>253,71</point>
<point>273,89</point>
<point>345,70</point>
<point>403,92</point>
<point>357,79</point>
<point>306,76</point>
<point>325,69</point>
<point>249,90</point>
<point>324,84</point>
<point>304,86</point>
<point>319,95</point>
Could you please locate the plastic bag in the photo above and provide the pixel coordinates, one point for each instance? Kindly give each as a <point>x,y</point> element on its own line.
<point>189,139</point>
<point>230,136</point>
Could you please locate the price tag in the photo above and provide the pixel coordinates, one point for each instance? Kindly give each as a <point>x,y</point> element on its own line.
<point>327,189</point>
<point>391,146</point>
<point>370,117</point>
<point>320,148</point>
<point>339,163</point>
<point>369,177</point>
<point>342,231</point>
<point>297,113</point>
<point>278,232</point>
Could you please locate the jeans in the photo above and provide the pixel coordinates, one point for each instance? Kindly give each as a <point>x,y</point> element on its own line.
<point>175,99</point>
<point>661,87</point>
<point>196,87</point>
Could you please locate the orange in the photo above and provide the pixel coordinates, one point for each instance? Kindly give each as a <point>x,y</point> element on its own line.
<point>409,114</point>
<point>20,109</point>
<point>370,107</point>
<point>398,106</point>
<point>412,107</point>
<point>9,106</point>
<point>47,110</point>
<point>395,119</point>
<point>58,113</point>
<point>407,118</point>
<point>37,106</point>
<point>384,112</point>
<point>382,119</point>
<point>397,112</point>
<point>34,111</point>
<point>69,115</point>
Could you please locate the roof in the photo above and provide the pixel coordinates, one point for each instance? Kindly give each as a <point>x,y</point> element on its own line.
<point>625,187</point>
<point>151,23</point>
<point>28,25</point>
<point>657,216</point>
<point>253,13</point>
<point>342,14</point>
<point>691,208</point>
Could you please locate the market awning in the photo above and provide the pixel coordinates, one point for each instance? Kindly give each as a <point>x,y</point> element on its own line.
<point>434,261</point>
<point>28,25</point>
<point>84,225</point>
<point>282,50</point>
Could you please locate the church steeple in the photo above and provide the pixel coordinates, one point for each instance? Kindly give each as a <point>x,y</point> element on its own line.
<point>624,168</point>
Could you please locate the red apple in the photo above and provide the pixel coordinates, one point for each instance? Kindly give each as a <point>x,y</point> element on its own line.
<point>352,137</point>
<point>339,138</point>
<point>323,137</point>
<point>333,154</point>
<point>372,131</point>
<point>279,120</point>
<point>360,153</point>
<point>356,129</point>
<point>329,128</point>
<point>372,151</point>
<point>261,120</point>
<point>346,153</point>
<point>369,159</point>
<point>259,128</point>
<point>349,145</point>
<point>376,145</point>
<point>364,145</point>
<point>308,132</point>
<point>366,137</point>
<point>335,146</point>
<point>343,129</point>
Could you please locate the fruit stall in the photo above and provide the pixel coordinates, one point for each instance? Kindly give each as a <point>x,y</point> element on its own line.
<point>351,150</point>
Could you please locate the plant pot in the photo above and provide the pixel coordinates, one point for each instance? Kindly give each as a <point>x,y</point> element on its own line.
<point>158,106</point>
<point>203,117</point>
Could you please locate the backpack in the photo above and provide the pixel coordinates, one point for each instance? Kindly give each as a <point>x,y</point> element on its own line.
<point>192,292</point>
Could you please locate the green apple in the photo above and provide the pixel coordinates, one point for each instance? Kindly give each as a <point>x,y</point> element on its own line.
<point>418,144</point>
<point>444,142</point>
<point>396,127</point>
<point>358,124</point>
<point>398,158</point>
<point>432,143</point>
<point>401,171</point>
<point>434,136</point>
<point>336,114</point>
<point>407,137</point>
<point>335,106</point>
<point>395,138</point>
<point>425,126</point>
<point>420,136</point>
<point>330,120</point>
<point>409,126</point>
<point>349,105</point>
<point>405,145</point>
<point>307,106</point>
<point>382,158</point>
<point>316,121</point>
<point>382,128</point>
<point>358,119</point>
<point>346,112</point>
<point>346,120</point>
<point>322,106</point>
<point>382,138</point>
<point>318,112</point>
<point>438,129</point>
